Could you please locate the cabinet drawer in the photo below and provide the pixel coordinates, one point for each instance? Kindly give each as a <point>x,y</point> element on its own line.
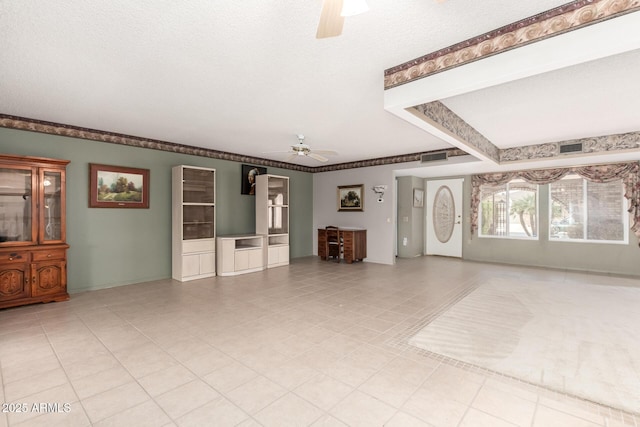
<point>46,255</point>
<point>198,246</point>
<point>6,257</point>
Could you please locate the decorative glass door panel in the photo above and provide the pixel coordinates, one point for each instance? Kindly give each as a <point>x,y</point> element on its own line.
<point>52,206</point>
<point>16,207</point>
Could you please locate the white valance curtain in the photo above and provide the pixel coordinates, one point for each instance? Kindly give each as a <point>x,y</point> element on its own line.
<point>629,173</point>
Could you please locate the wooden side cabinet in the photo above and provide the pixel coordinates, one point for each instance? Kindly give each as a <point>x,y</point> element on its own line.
<point>33,248</point>
<point>354,243</point>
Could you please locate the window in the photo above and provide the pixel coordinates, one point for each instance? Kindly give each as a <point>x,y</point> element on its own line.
<point>509,210</point>
<point>587,211</point>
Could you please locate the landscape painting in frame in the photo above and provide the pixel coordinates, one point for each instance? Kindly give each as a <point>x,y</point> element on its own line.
<point>351,198</point>
<point>118,187</point>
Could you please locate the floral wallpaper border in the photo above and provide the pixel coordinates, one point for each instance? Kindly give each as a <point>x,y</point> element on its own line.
<point>21,123</point>
<point>598,144</point>
<point>51,128</point>
<point>437,112</point>
<point>565,18</point>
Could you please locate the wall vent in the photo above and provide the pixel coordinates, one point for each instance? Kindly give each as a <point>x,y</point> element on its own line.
<point>571,148</point>
<point>434,157</point>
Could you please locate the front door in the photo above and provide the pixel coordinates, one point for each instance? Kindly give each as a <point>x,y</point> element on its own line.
<point>444,217</point>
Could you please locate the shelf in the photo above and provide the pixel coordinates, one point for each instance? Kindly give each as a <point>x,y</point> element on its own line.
<point>275,232</point>
<point>249,243</point>
<point>246,247</point>
<point>22,194</point>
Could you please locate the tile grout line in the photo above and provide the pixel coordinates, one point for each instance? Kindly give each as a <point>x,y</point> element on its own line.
<point>63,370</point>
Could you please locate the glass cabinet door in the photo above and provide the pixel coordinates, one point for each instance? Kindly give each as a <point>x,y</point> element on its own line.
<point>198,186</point>
<point>53,204</point>
<point>278,191</point>
<point>17,209</point>
<point>198,222</point>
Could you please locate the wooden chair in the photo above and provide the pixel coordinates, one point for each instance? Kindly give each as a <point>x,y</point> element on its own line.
<point>334,245</point>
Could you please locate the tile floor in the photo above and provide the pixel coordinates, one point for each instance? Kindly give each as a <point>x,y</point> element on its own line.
<point>312,344</point>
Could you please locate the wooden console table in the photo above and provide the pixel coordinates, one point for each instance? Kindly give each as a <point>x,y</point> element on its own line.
<point>354,243</point>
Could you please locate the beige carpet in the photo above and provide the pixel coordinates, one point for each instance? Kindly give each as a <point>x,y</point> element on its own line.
<point>579,339</point>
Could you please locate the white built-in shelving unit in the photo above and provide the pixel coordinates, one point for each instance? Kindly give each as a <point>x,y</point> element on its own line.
<point>272,217</point>
<point>193,222</point>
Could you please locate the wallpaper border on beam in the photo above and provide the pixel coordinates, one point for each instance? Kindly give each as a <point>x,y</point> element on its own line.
<point>565,18</point>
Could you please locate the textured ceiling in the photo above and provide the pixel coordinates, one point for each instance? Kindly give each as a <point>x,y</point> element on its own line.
<point>247,76</point>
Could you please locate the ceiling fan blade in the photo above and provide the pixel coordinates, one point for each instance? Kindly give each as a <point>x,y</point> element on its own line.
<point>290,157</point>
<point>326,152</point>
<point>331,21</point>
<point>318,157</point>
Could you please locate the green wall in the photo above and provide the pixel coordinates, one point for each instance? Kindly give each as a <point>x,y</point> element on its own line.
<point>621,259</point>
<point>111,247</point>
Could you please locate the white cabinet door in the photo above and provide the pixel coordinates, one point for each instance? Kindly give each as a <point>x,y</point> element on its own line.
<point>273,255</point>
<point>278,255</point>
<point>283,254</point>
<point>190,265</point>
<point>255,258</point>
<point>208,263</point>
<point>241,260</point>
<point>226,262</point>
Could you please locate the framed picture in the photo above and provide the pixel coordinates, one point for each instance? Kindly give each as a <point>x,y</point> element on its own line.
<point>118,187</point>
<point>249,174</point>
<point>351,198</point>
<point>418,197</point>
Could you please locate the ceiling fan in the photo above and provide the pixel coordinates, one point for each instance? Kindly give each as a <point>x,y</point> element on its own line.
<point>302,149</point>
<point>334,12</point>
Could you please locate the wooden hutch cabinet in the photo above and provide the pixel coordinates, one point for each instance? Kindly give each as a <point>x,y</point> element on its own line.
<point>33,248</point>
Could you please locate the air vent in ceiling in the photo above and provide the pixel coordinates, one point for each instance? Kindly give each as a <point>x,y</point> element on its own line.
<point>571,148</point>
<point>434,157</point>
